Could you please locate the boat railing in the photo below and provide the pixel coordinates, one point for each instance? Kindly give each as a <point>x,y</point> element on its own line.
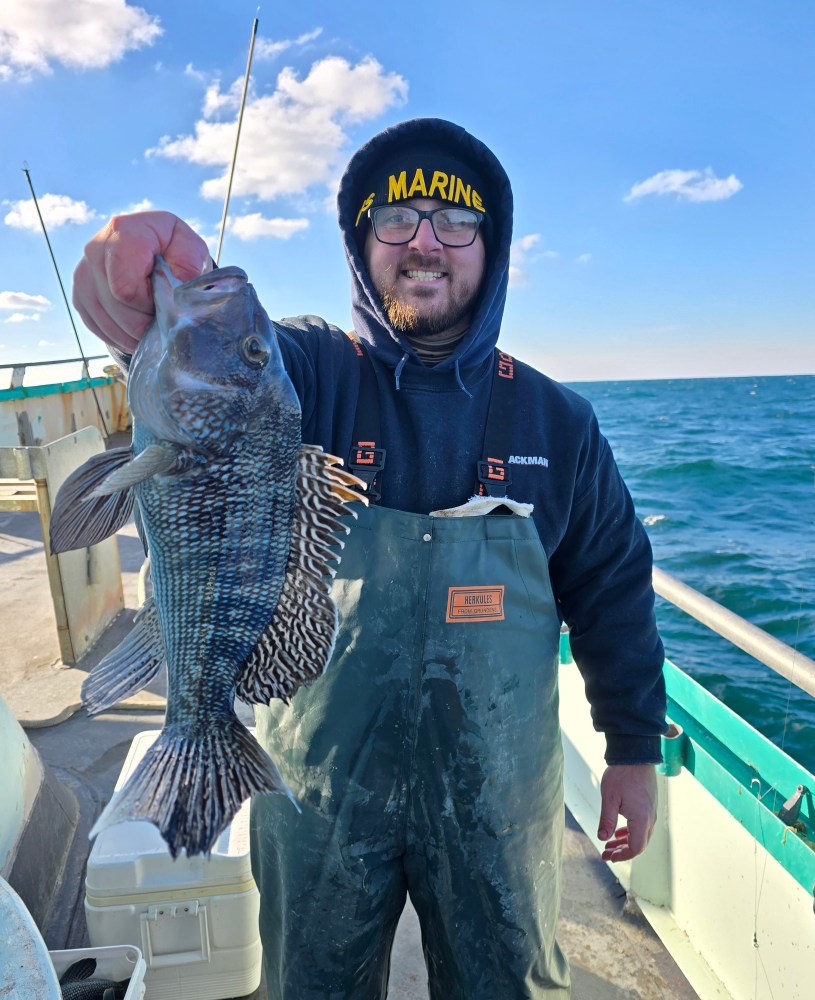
<point>18,369</point>
<point>778,656</point>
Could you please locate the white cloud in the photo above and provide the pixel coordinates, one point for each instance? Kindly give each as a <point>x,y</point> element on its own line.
<point>333,189</point>
<point>353,93</point>
<point>80,34</point>
<point>217,102</point>
<point>255,226</point>
<point>22,317</point>
<point>583,258</point>
<point>265,48</point>
<point>145,205</point>
<point>689,185</point>
<point>522,246</point>
<point>205,230</point>
<point>56,210</point>
<point>293,138</point>
<point>524,251</point>
<point>21,301</point>
<point>47,343</point>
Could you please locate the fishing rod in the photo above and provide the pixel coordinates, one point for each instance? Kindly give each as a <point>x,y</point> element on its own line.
<point>85,368</point>
<point>237,140</point>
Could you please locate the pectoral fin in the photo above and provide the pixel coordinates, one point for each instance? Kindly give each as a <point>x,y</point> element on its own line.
<point>80,517</point>
<point>97,499</point>
<point>157,460</point>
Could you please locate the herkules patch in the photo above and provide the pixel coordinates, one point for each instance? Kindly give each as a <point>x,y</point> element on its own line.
<point>469,604</point>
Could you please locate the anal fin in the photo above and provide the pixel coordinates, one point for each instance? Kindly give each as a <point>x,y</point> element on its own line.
<point>129,667</point>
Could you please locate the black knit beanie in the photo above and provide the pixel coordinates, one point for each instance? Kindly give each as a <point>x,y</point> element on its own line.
<point>423,171</point>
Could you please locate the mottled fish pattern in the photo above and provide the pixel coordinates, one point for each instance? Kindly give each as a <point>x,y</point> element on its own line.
<point>79,983</point>
<point>241,522</point>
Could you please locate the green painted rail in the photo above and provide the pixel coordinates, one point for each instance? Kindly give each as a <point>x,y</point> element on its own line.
<point>54,389</point>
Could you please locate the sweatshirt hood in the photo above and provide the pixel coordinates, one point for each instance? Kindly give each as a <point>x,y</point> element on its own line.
<point>370,319</point>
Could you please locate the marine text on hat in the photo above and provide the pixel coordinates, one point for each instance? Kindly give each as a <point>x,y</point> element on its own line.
<point>446,187</point>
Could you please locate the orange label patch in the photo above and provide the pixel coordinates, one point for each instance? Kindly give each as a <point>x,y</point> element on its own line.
<point>475,604</point>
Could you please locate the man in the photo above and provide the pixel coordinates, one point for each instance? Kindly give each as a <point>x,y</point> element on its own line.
<point>427,759</point>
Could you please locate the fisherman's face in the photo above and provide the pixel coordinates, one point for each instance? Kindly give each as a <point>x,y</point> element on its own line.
<point>426,287</point>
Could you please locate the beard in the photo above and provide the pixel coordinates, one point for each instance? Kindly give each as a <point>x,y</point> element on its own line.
<point>430,319</point>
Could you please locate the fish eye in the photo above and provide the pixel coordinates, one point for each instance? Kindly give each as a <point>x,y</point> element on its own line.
<point>254,352</point>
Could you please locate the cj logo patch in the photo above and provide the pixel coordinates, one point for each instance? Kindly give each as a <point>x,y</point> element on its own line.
<point>475,604</point>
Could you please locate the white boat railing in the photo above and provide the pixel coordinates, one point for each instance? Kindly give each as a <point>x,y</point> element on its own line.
<point>42,401</point>
<point>783,659</point>
<point>726,881</point>
<point>17,370</point>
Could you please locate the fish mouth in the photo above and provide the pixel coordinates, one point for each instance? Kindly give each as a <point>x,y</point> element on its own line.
<point>206,292</point>
<point>173,397</point>
<point>211,288</point>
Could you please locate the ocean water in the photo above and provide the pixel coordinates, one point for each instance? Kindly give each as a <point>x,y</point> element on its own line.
<point>722,472</point>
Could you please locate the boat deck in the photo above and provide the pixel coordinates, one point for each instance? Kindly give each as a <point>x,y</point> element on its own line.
<point>613,952</point>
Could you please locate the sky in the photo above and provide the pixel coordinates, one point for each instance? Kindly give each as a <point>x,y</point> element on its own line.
<point>661,155</point>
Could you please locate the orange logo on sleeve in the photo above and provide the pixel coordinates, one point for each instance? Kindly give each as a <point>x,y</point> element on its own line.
<point>506,365</point>
<point>475,604</point>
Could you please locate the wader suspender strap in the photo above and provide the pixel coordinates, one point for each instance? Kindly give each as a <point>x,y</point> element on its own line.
<point>493,477</point>
<point>367,458</point>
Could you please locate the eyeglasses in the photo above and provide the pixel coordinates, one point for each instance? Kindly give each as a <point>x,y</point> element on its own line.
<point>454,227</point>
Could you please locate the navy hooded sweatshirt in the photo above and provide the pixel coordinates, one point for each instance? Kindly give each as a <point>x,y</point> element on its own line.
<point>432,423</point>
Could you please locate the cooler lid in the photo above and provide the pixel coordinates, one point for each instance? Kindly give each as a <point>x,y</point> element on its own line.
<point>132,858</point>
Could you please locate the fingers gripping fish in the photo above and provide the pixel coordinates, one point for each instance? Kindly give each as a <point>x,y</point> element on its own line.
<point>241,521</point>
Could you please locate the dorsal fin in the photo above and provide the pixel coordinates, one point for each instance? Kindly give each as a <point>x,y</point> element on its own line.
<point>296,645</point>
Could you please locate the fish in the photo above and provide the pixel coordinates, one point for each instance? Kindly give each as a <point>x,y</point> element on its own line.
<point>242,522</point>
<point>95,989</point>
<point>79,983</point>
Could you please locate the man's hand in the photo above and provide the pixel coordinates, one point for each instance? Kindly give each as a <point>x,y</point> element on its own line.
<point>629,790</point>
<point>112,290</point>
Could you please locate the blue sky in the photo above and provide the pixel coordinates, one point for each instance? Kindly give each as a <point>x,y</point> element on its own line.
<point>661,155</point>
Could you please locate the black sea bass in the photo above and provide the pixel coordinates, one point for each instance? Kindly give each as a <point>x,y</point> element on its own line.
<point>240,521</point>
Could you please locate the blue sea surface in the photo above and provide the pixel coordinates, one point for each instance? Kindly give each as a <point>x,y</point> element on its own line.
<point>722,472</point>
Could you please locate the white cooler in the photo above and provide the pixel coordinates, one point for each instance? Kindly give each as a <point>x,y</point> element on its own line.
<point>194,919</point>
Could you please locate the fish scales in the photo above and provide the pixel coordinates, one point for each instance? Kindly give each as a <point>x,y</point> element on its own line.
<point>94,989</point>
<point>240,521</point>
<point>219,548</point>
<point>79,983</point>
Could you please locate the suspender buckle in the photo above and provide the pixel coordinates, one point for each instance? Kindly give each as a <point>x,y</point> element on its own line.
<point>494,477</point>
<point>366,461</point>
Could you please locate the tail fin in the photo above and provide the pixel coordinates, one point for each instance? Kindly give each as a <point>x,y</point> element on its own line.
<point>190,785</point>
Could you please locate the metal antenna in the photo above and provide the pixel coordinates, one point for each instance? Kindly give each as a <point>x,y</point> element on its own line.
<point>87,374</point>
<point>237,140</point>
